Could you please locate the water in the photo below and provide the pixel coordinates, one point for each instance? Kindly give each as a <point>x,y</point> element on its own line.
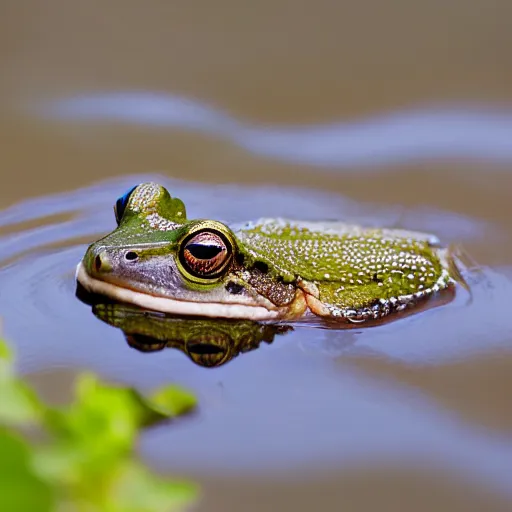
<point>309,401</point>
<point>340,116</point>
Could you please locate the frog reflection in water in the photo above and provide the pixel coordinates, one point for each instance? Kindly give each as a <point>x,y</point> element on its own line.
<point>270,269</point>
<point>206,341</point>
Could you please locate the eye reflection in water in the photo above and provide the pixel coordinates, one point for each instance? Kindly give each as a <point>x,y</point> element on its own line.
<point>207,342</point>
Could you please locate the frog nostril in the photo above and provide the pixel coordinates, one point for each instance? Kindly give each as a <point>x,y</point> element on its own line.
<point>101,263</point>
<point>131,256</point>
<point>97,263</point>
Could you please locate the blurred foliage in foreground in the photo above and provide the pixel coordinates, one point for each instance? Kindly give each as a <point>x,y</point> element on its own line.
<point>84,461</point>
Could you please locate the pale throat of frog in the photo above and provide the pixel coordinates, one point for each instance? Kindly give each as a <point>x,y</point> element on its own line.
<point>179,307</point>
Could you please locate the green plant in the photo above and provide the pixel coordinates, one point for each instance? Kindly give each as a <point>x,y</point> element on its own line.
<point>85,462</point>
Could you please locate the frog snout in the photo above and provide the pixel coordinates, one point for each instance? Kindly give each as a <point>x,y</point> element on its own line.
<point>98,260</point>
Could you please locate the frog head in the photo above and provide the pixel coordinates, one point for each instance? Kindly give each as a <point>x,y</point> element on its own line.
<point>158,259</point>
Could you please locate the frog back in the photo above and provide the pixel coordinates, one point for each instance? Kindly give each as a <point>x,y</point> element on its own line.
<point>351,267</point>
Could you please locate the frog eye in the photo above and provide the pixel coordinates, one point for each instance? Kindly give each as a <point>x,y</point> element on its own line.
<point>205,254</point>
<point>121,203</point>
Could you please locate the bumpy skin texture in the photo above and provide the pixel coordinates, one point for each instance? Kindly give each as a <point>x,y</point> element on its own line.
<point>272,268</point>
<point>353,269</point>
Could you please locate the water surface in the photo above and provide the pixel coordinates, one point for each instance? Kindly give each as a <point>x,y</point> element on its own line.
<point>312,400</point>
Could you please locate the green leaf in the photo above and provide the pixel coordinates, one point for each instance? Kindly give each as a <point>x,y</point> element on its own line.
<point>5,362</point>
<point>100,412</point>
<point>19,404</point>
<point>101,426</point>
<point>87,462</point>
<point>92,435</point>
<point>20,489</point>
<point>5,351</point>
<point>138,490</point>
<point>167,402</point>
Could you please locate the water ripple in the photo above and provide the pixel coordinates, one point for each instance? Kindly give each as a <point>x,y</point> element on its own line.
<point>441,132</point>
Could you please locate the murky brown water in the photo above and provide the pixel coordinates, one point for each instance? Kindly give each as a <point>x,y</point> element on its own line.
<point>398,114</point>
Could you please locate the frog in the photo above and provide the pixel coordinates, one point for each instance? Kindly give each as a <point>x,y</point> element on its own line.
<point>268,269</point>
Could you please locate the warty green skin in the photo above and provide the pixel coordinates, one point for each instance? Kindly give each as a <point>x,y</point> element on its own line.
<point>279,269</point>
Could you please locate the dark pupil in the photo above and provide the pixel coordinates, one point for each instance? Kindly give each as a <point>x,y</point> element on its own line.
<point>203,252</point>
<point>121,204</point>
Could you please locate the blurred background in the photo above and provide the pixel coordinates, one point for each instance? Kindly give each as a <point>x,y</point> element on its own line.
<point>282,65</point>
<point>405,106</point>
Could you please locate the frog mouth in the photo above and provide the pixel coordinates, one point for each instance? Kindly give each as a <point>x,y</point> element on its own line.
<point>174,306</point>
